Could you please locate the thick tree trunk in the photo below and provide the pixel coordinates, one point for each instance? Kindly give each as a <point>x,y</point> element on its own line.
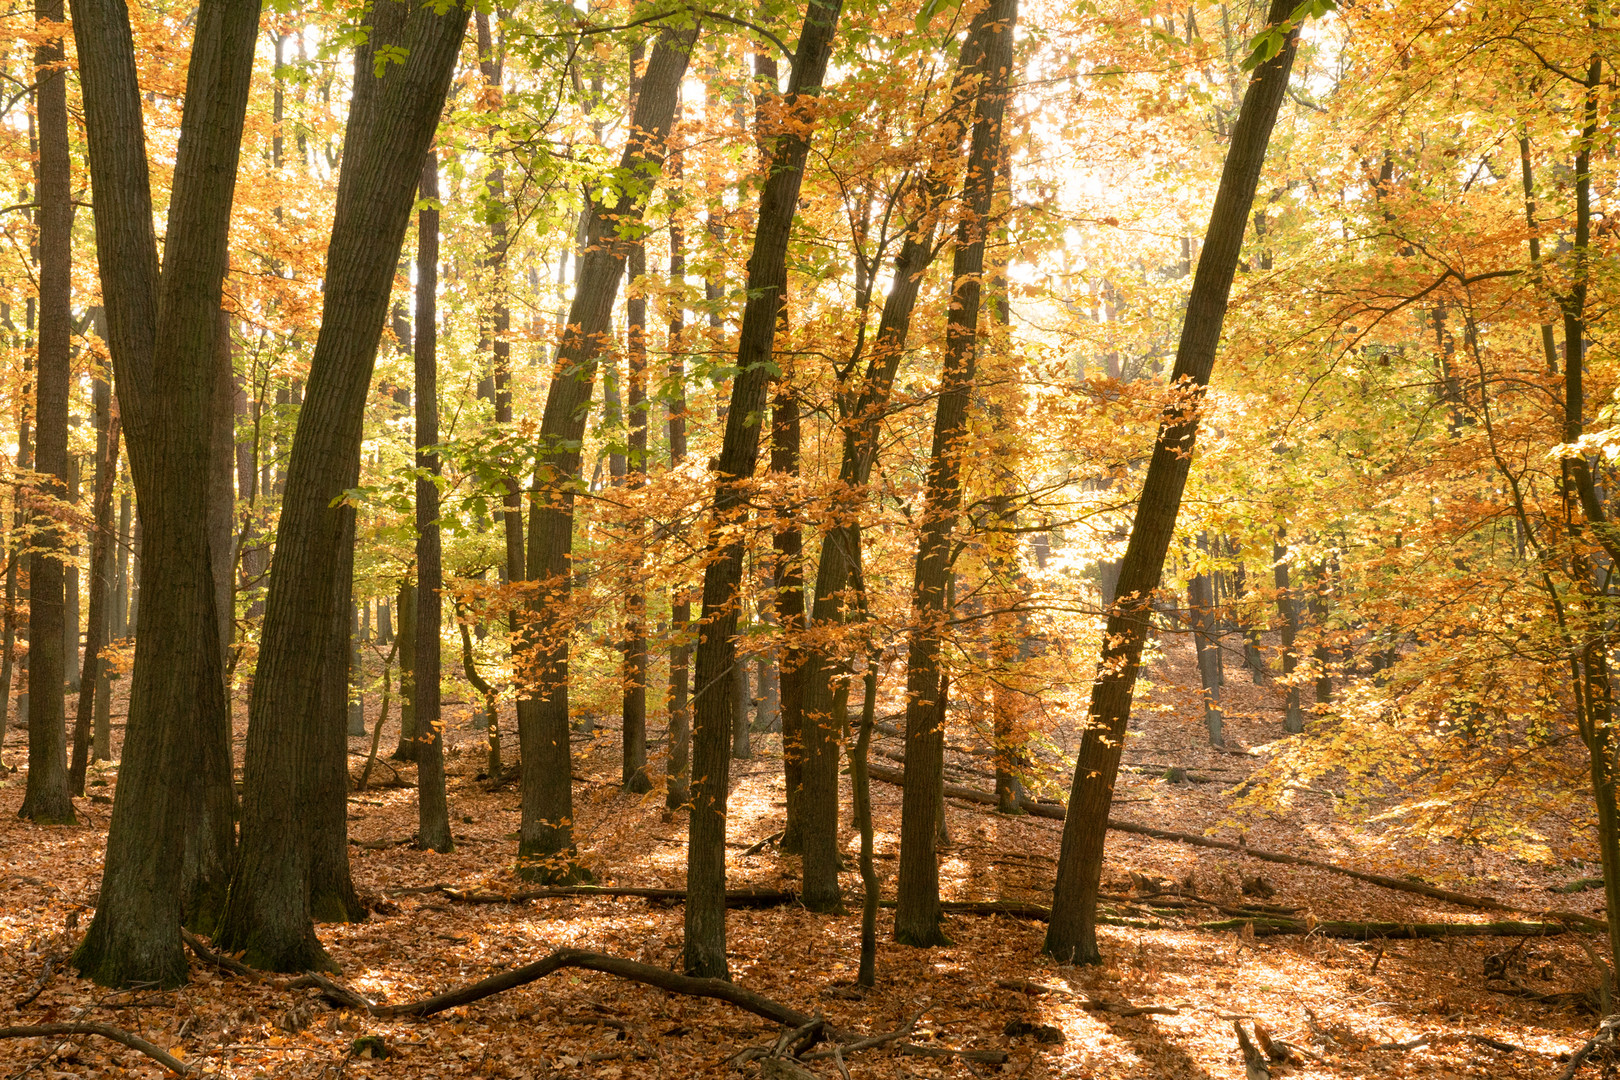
<point>171,832</point>
<point>47,798</point>
<point>863,417</point>
<point>705,949</point>
<point>433,811</point>
<point>917,916</point>
<point>287,867</point>
<point>1071,936</point>
<point>546,843</point>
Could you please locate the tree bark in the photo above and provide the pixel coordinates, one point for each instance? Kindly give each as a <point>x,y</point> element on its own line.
<point>406,750</point>
<point>433,810</point>
<point>1288,609</point>
<point>917,918</point>
<point>676,790</point>
<point>705,948</point>
<point>546,843</point>
<point>47,798</point>
<point>286,872</point>
<point>787,542</point>
<point>634,672</point>
<point>93,676</point>
<point>171,837</point>
<point>1206,644</point>
<point>1071,937</point>
<point>221,489</point>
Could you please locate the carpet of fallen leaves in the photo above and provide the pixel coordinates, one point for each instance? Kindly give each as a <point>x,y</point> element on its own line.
<point>1376,1009</point>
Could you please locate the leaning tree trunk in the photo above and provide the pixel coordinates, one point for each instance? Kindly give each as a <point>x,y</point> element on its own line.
<point>917,915</point>
<point>1071,935</point>
<point>174,803</point>
<point>48,798</point>
<point>818,801</point>
<point>292,728</point>
<point>432,808</point>
<point>705,950</point>
<point>546,834</point>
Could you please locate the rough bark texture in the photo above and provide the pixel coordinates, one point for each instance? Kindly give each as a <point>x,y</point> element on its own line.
<point>47,798</point>
<point>862,413</point>
<point>546,842</point>
<point>433,810</point>
<point>917,918</point>
<point>291,723</point>
<point>1071,936</point>
<point>221,488</point>
<point>174,802</point>
<point>705,951</point>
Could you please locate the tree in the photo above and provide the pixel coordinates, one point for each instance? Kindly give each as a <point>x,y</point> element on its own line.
<point>296,769</point>
<point>48,798</point>
<point>1071,935</point>
<point>433,812</point>
<point>174,802</point>
<point>546,844</point>
<point>705,949</point>
<point>917,917</point>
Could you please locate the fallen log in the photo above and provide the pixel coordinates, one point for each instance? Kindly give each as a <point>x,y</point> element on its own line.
<point>105,1031</point>
<point>1050,810</point>
<point>1272,926</point>
<point>736,898</point>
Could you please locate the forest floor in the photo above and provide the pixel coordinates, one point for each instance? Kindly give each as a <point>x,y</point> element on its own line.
<point>1419,1008</point>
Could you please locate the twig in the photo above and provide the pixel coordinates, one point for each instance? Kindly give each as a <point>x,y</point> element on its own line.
<point>219,960</point>
<point>39,983</point>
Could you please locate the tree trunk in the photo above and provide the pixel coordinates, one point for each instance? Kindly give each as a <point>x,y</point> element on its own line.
<point>93,676</point>
<point>121,576</point>
<point>406,750</point>
<point>1071,936</point>
<point>676,790</point>
<point>546,843</point>
<point>1288,609</point>
<point>221,490</point>
<point>287,870</point>
<point>917,916</point>
<point>705,948</point>
<point>47,798</point>
<point>1206,643</point>
<point>634,673</point>
<point>863,417</point>
<point>433,811</point>
<point>788,543</point>
<point>70,577</point>
<point>171,837</point>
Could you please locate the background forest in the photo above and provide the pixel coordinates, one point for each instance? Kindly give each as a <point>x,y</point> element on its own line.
<point>866,523</point>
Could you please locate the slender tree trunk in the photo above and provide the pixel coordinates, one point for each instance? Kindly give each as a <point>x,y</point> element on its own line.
<point>121,576</point>
<point>287,872</point>
<point>93,676</point>
<point>1288,609</point>
<point>221,490</point>
<point>171,839</point>
<point>70,577</point>
<point>917,914</point>
<point>433,811</point>
<point>862,418</point>
<point>705,947</point>
<point>788,573</point>
<point>546,843</point>
<point>676,790</point>
<point>861,786</point>
<point>406,750</point>
<point>1071,935</point>
<point>1207,644</point>
<point>634,673</point>
<point>47,798</point>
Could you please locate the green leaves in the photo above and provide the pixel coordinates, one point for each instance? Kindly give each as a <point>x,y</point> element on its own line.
<point>1270,42</point>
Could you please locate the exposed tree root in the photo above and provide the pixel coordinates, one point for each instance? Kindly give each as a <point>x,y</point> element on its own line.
<point>1050,810</point>
<point>209,956</point>
<point>105,1031</point>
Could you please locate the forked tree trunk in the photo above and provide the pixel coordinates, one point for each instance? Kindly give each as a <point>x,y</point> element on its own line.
<point>433,811</point>
<point>1071,936</point>
<point>818,804</point>
<point>47,798</point>
<point>705,946</point>
<point>546,835</point>
<point>170,836</point>
<point>288,868</point>
<point>917,915</point>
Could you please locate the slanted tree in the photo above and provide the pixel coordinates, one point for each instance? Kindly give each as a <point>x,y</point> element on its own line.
<point>170,841</point>
<point>1071,936</point>
<point>294,863</point>
<point>546,835</point>
<point>705,947</point>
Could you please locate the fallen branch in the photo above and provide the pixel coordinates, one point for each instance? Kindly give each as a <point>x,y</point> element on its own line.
<point>106,1031</point>
<point>738,898</point>
<point>1605,1038</point>
<point>1371,931</point>
<point>1050,810</point>
<point>40,984</point>
<point>219,960</point>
